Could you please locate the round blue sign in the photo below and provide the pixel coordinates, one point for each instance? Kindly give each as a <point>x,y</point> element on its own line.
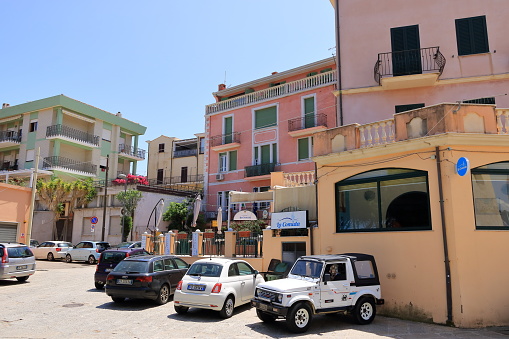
<point>94,220</point>
<point>462,166</point>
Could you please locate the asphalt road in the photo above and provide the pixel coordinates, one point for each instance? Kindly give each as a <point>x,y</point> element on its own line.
<point>60,301</point>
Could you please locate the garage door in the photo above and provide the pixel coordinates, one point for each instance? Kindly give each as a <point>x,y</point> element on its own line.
<point>8,232</point>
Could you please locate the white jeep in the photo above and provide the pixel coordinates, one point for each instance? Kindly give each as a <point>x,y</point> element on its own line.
<point>346,283</point>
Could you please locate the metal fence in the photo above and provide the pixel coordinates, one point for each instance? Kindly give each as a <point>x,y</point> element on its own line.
<point>213,245</point>
<point>251,246</point>
<point>183,243</point>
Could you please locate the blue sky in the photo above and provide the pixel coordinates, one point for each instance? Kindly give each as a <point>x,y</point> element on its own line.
<point>156,61</point>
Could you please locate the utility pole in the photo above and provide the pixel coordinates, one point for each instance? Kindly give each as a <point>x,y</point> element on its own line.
<point>105,196</point>
<point>32,198</point>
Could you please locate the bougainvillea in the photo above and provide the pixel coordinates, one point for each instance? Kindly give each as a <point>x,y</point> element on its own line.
<point>132,179</point>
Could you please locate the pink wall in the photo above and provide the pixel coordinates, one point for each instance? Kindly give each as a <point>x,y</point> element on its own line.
<point>15,205</point>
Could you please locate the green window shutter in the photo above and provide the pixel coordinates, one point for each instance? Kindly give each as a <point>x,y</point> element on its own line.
<point>472,35</point>
<point>303,145</point>
<point>309,112</point>
<point>265,154</point>
<point>311,74</point>
<point>404,108</point>
<point>326,70</point>
<point>266,117</point>
<point>255,154</point>
<point>233,160</point>
<point>228,129</point>
<point>274,153</point>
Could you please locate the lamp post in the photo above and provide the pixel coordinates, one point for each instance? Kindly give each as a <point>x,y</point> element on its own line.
<point>105,196</point>
<point>124,177</point>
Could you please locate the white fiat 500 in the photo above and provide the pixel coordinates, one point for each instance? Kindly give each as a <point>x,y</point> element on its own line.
<point>216,284</point>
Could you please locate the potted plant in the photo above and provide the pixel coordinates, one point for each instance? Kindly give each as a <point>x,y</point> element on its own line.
<point>181,235</point>
<point>246,228</point>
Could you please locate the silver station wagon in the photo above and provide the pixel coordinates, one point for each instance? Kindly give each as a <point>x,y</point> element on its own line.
<point>16,261</point>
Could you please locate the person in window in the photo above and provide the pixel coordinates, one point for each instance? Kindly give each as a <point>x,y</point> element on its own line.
<point>333,271</point>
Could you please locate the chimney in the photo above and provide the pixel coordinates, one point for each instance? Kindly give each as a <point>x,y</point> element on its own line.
<point>274,73</point>
<point>5,105</point>
<point>220,87</point>
<point>119,114</point>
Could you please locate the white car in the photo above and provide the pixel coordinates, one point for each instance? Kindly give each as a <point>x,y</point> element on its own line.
<point>88,251</point>
<point>216,284</point>
<point>52,250</point>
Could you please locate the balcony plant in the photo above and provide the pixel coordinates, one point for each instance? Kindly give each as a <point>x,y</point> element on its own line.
<point>246,228</point>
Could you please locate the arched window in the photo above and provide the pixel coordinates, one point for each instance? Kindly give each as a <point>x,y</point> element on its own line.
<point>386,199</point>
<point>490,187</point>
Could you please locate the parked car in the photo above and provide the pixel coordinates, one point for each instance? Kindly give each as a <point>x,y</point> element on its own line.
<point>33,243</point>
<point>217,284</point>
<point>16,261</point>
<point>152,277</point>
<point>52,250</point>
<point>109,259</point>
<point>129,244</point>
<point>88,251</point>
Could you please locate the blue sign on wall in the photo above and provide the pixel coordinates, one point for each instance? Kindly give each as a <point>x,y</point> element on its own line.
<point>462,166</point>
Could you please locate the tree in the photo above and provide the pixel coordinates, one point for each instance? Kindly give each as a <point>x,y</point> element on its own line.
<point>53,193</point>
<point>176,214</point>
<point>129,200</point>
<point>81,193</point>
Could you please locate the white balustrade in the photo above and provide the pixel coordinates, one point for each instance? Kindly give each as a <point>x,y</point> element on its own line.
<point>377,133</point>
<point>502,121</point>
<point>294,179</point>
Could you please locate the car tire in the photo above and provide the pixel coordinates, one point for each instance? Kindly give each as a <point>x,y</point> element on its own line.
<point>22,279</point>
<point>265,317</point>
<point>118,299</point>
<point>364,311</point>
<point>181,309</point>
<point>99,285</point>
<point>299,318</point>
<point>91,260</point>
<point>50,257</point>
<point>68,258</point>
<point>164,295</point>
<point>227,310</point>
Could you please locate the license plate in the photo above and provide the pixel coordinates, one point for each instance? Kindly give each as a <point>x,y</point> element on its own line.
<point>193,287</point>
<point>262,307</point>
<point>124,281</point>
<point>108,270</point>
<point>22,267</point>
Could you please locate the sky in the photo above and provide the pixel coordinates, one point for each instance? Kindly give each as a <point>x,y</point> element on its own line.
<point>155,61</point>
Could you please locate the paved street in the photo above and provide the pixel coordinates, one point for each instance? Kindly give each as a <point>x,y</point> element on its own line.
<point>60,301</point>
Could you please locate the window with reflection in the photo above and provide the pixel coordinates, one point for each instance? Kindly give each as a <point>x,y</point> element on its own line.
<point>383,200</point>
<point>490,188</point>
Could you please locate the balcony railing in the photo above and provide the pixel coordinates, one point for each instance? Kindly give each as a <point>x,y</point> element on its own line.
<point>10,136</point>
<point>68,164</point>
<point>300,85</point>
<point>257,170</point>
<point>308,121</point>
<point>185,153</point>
<point>296,179</point>
<point>72,133</point>
<point>131,151</point>
<point>9,166</point>
<point>225,139</point>
<point>415,61</point>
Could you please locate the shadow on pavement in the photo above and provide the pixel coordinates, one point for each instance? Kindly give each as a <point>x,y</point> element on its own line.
<point>129,305</point>
<point>198,315</point>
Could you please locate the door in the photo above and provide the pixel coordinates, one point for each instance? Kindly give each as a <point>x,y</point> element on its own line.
<point>160,176</point>
<point>183,174</point>
<point>247,281</point>
<point>265,156</point>
<point>228,130</point>
<point>334,292</point>
<point>8,232</point>
<point>406,54</point>
<point>309,112</point>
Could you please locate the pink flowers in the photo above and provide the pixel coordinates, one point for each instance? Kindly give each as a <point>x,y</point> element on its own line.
<point>132,179</point>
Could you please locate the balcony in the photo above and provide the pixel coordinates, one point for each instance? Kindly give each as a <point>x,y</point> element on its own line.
<point>185,153</point>
<point>72,134</point>
<point>306,125</point>
<point>260,170</point>
<point>225,142</point>
<point>9,166</point>
<point>319,80</point>
<point>409,69</point>
<point>130,152</point>
<point>69,165</point>
<point>10,138</point>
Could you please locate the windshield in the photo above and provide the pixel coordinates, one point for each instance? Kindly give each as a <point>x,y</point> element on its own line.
<point>307,268</point>
<point>205,269</point>
<point>123,245</point>
<point>19,252</point>
<point>131,266</point>
<point>113,257</point>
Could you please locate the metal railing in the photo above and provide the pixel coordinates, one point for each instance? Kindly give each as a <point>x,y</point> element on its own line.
<point>249,246</point>
<point>129,150</point>
<point>225,139</point>
<point>414,61</point>
<point>72,133</point>
<point>256,170</point>
<point>69,164</point>
<point>321,79</point>
<point>10,136</point>
<point>308,121</point>
<point>214,245</point>
<point>185,153</point>
<point>183,244</point>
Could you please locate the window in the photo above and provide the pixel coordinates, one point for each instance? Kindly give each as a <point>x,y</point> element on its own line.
<point>228,161</point>
<point>223,199</point>
<point>490,188</point>
<point>180,263</point>
<point>385,199</point>
<point>265,154</point>
<point>107,135</point>
<point>404,108</point>
<point>202,145</point>
<point>168,264</point>
<point>472,35</point>
<point>228,130</point>
<point>223,162</point>
<point>161,148</point>
<point>33,126</point>
<point>244,269</point>
<point>405,47</point>
<point>484,101</point>
<point>160,176</point>
<point>30,155</point>
<point>266,117</point>
<point>305,148</point>
<point>309,112</point>
<point>158,265</point>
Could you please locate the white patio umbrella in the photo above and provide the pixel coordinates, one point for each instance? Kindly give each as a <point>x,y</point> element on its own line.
<point>197,207</point>
<point>219,220</point>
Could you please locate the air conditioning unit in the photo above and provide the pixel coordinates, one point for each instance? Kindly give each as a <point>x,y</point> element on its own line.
<point>219,176</point>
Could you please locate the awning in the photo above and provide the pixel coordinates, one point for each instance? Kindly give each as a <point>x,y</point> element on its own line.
<point>239,197</point>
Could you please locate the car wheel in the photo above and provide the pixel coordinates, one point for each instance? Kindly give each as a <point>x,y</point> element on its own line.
<point>299,318</point>
<point>181,309</point>
<point>68,258</point>
<point>99,285</point>
<point>364,311</point>
<point>50,257</point>
<point>118,299</point>
<point>227,310</point>
<point>163,296</point>
<point>91,260</point>
<point>22,279</point>
<point>265,317</point>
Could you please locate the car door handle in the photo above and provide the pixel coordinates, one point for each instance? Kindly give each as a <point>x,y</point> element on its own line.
<point>243,283</point>
<point>346,285</point>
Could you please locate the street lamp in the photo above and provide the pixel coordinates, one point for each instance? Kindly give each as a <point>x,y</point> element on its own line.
<point>123,177</point>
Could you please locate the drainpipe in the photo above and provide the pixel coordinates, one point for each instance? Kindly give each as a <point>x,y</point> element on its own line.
<point>311,246</point>
<point>448,289</point>
<point>338,68</point>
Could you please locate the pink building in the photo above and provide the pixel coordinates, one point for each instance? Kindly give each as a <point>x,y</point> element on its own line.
<point>402,55</point>
<point>265,126</point>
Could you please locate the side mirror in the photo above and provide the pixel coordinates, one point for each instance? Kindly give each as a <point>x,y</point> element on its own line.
<point>326,277</point>
<point>256,273</point>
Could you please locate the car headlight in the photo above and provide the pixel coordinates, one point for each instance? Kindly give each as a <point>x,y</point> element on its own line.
<point>256,292</point>
<point>279,298</point>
